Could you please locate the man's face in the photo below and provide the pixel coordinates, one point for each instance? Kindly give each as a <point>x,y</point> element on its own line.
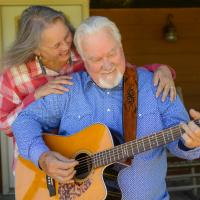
<point>103,57</point>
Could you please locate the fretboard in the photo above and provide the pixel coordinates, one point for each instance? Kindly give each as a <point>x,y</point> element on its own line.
<point>137,146</point>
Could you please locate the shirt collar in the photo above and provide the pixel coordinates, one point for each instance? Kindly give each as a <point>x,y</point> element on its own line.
<point>35,69</point>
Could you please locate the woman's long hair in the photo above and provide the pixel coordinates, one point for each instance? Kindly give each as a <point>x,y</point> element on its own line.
<point>32,23</point>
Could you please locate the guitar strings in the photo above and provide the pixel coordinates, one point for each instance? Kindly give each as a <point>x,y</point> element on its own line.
<point>116,151</point>
<point>86,165</point>
<point>141,140</point>
<point>86,162</point>
<point>136,141</point>
<point>153,136</point>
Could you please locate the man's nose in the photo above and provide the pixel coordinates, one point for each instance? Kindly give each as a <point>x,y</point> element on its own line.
<point>107,64</point>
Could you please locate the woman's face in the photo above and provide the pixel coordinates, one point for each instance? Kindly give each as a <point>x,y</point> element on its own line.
<point>55,44</point>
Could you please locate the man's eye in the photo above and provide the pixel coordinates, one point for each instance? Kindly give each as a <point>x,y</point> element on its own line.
<point>111,54</point>
<point>56,46</point>
<point>97,60</point>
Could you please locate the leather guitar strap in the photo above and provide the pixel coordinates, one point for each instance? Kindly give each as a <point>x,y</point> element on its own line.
<point>130,101</point>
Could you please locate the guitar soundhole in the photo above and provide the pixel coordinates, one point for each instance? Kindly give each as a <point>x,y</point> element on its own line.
<point>84,167</point>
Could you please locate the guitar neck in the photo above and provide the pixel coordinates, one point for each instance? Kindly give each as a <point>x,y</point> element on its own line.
<point>137,146</point>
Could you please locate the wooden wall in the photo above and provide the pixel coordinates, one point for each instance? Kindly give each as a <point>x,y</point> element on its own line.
<point>143,43</point>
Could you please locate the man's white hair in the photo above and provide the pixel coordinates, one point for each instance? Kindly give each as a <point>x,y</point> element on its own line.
<point>92,25</point>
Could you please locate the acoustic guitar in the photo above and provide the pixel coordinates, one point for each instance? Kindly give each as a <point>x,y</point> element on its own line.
<point>96,176</point>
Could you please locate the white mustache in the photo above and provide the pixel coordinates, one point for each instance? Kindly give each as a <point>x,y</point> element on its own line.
<point>111,82</point>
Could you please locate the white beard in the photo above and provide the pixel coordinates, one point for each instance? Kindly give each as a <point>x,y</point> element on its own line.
<point>110,82</point>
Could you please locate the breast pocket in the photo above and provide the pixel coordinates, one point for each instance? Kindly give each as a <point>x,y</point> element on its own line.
<point>149,118</point>
<point>75,121</point>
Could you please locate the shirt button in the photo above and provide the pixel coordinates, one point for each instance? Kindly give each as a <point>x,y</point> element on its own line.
<point>79,116</point>
<point>108,110</point>
<point>108,92</point>
<point>139,114</point>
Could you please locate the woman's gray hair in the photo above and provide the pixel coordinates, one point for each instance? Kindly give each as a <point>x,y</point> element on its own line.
<point>32,23</point>
<point>90,26</point>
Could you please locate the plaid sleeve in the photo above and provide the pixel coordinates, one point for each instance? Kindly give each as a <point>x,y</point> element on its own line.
<point>10,104</point>
<point>154,67</point>
<point>77,62</point>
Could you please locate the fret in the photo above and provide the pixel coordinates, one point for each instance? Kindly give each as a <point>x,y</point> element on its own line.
<point>107,157</point>
<point>97,159</point>
<point>140,146</point>
<point>138,150</point>
<point>118,155</point>
<point>123,151</point>
<point>153,140</point>
<point>93,157</point>
<point>101,159</point>
<point>112,155</point>
<point>156,139</point>
<point>172,136</point>
<point>143,144</point>
<point>132,148</point>
<point>163,133</point>
<point>127,152</point>
<point>168,135</point>
<point>150,142</point>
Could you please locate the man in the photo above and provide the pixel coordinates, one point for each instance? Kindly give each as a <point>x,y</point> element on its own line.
<point>97,97</point>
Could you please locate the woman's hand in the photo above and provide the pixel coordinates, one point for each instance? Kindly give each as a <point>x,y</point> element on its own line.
<point>54,86</point>
<point>163,78</point>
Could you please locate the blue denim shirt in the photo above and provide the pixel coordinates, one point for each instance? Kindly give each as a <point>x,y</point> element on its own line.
<point>86,104</point>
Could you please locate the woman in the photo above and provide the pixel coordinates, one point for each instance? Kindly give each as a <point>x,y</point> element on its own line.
<point>40,60</point>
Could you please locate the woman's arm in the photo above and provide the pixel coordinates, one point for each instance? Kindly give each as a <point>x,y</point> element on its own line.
<point>10,104</point>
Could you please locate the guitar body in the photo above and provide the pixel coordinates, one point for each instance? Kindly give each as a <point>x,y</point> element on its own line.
<point>93,148</point>
<point>31,181</point>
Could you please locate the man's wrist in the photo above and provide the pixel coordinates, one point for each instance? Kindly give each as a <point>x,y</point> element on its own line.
<point>36,153</point>
<point>42,160</point>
